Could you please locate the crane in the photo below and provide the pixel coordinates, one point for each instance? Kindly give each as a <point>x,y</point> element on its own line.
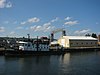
<point>56,31</point>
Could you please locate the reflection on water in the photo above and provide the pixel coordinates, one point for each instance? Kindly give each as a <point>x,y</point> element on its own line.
<point>81,63</point>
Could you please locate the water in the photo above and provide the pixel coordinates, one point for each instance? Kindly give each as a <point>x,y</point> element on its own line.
<point>81,63</point>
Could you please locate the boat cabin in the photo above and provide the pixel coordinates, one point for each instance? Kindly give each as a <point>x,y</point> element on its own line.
<point>33,46</point>
<point>25,45</point>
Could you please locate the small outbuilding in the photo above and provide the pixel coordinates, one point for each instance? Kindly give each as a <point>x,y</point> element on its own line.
<point>77,41</point>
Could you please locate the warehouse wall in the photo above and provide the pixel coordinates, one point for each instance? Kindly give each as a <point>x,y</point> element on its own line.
<point>83,43</point>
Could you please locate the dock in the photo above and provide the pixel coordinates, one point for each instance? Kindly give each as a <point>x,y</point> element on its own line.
<point>82,49</point>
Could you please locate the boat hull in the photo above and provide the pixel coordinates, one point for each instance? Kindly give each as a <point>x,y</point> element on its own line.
<point>32,53</point>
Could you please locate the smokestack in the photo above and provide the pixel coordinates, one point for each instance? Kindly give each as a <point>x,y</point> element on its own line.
<point>63,33</point>
<point>28,37</point>
<point>52,37</point>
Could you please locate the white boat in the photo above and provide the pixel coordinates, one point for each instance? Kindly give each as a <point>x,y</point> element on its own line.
<point>25,45</point>
<point>32,47</point>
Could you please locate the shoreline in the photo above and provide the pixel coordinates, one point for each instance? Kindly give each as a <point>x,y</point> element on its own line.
<point>10,52</point>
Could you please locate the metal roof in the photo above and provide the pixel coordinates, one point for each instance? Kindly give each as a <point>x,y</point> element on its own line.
<point>22,42</point>
<point>80,37</point>
<point>54,42</point>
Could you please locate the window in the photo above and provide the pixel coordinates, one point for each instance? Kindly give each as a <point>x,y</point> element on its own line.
<point>86,43</point>
<point>25,44</point>
<point>81,43</point>
<point>77,43</point>
<point>28,45</point>
<point>21,44</point>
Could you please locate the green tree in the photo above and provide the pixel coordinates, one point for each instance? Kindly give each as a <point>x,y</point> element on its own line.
<point>94,35</point>
<point>88,34</point>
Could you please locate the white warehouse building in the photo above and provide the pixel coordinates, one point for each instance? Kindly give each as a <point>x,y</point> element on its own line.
<point>77,41</point>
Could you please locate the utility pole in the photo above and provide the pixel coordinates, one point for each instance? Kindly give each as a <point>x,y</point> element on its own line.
<point>28,37</point>
<point>37,44</point>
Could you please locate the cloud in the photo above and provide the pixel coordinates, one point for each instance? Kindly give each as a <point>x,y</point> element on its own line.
<point>46,24</point>
<point>19,28</point>
<point>10,22</point>
<point>12,33</point>
<point>15,22</point>
<point>68,18</point>
<point>5,4</point>
<point>36,28</point>
<point>49,28</point>
<point>54,20</point>
<point>6,22</point>
<point>33,27</point>
<point>2,3</point>
<point>44,28</point>
<point>33,20</point>
<point>2,29</point>
<point>81,32</point>
<point>98,33</point>
<point>97,23</point>
<point>22,23</point>
<point>71,23</point>
<point>9,5</point>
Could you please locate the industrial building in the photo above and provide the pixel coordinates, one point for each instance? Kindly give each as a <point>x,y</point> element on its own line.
<point>98,40</point>
<point>77,41</point>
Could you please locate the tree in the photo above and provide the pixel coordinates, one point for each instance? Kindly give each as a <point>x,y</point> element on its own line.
<point>94,35</point>
<point>88,34</point>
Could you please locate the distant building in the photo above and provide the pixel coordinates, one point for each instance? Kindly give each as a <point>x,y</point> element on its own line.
<point>99,38</point>
<point>77,41</point>
<point>2,42</point>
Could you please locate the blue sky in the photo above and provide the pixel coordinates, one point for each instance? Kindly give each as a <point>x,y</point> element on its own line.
<point>40,17</point>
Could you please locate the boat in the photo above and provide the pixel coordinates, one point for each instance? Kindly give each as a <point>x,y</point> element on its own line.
<point>32,53</point>
<point>29,49</point>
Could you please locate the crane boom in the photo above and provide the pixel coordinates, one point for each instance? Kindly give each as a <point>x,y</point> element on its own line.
<point>57,30</point>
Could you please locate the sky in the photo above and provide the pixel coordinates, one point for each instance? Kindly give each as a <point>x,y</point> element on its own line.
<point>40,17</point>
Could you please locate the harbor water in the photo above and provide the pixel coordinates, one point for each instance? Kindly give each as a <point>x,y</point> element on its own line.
<point>75,63</point>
